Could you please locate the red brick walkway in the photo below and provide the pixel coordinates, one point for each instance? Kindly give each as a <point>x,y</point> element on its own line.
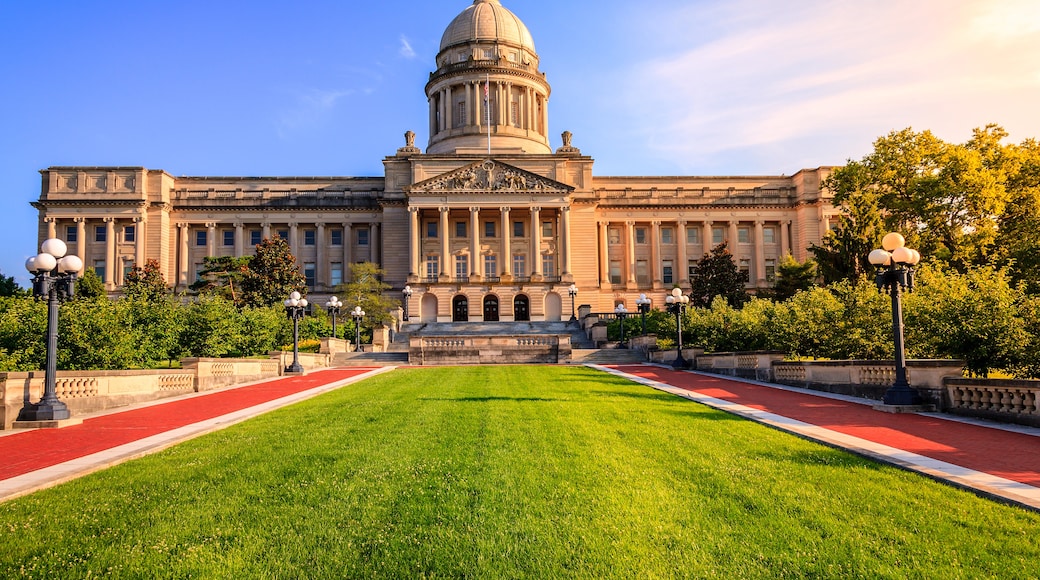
<point>28,451</point>
<point>1007,454</point>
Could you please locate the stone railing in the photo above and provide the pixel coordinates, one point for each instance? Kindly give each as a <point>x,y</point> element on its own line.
<point>998,399</point>
<point>213,373</point>
<point>748,365</point>
<point>496,349</point>
<point>868,378</point>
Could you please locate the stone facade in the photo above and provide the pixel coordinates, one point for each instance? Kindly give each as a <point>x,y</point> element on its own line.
<point>487,224</point>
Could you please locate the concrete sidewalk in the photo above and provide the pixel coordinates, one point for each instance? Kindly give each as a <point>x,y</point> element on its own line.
<point>41,458</point>
<point>998,461</point>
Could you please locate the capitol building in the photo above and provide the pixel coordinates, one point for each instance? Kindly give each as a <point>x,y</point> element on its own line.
<point>488,223</point>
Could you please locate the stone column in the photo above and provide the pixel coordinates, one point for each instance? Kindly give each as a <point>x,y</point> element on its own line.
<point>240,240</point>
<point>507,253</point>
<point>376,243</point>
<point>785,237</point>
<point>733,237</point>
<point>52,227</point>
<point>265,231</point>
<point>474,224</point>
<point>630,252</point>
<point>320,261</point>
<point>294,228</point>
<point>139,241</point>
<point>182,259</point>
<point>110,253</point>
<point>655,254</point>
<point>413,241</point>
<point>211,239</point>
<point>565,239</point>
<point>445,245</point>
<point>536,243</point>
<point>760,255</point>
<point>706,238</point>
<point>348,246</point>
<point>604,254</point>
<point>81,243</point>
<point>682,275</point>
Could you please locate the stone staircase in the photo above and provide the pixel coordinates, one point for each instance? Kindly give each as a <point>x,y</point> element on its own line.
<point>369,359</point>
<point>607,356</point>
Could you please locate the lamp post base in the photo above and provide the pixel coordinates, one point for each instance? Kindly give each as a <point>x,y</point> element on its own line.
<point>679,362</point>
<point>44,411</point>
<point>902,395</point>
<point>294,369</point>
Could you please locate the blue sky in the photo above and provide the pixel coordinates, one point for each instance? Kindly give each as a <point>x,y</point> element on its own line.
<point>658,87</point>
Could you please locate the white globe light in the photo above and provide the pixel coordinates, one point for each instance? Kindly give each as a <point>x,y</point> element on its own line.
<point>880,258</point>
<point>70,264</point>
<point>677,292</point>
<point>916,258</point>
<point>303,303</point>
<point>288,302</point>
<point>685,299</point>
<point>54,247</point>
<point>295,295</point>
<point>902,255</point>
<point>30,264</point>
<point>892,241</point>
<point>45,262</point>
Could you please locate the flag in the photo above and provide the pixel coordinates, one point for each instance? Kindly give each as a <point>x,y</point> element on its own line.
<point>486,90</point>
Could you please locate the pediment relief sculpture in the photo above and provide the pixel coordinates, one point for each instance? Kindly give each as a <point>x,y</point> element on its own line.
<point>490,176</point>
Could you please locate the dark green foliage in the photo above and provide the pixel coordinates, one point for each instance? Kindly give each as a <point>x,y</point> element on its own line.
<point>146,283</point>
<point>272,275</point>
<point>792,277</point>
<point>366,287</point>
<point>718,275</point>
<point>223,276</point>
<point>90,286</point>
<point>9,287</point>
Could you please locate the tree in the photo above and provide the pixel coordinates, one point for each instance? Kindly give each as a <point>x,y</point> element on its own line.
<point>8,286</point>
<point>90,286</point>
<point>146,283</point>
<point>718,275</point>
<point>844,250</point>
<point>1018,238</point>
<point>367,289</point>
<point>793,277</point>
<point>223,275</point>
<point>272,275</point>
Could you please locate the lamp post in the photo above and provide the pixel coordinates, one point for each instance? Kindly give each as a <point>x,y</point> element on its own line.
<point>573,291</point>
<point>295,306</point>
<point>895,271</point>
<point>407,292</point>
<point>622,314</point>
<point>677,302</point>
<point>333,306</point>
<point>357,314</point>
<point>54,278</point>
<point>643,303</point>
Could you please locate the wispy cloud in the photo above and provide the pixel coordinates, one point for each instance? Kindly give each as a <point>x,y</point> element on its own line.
<point>406,49</point>
<point>831,76</point>
<point>309,108</point>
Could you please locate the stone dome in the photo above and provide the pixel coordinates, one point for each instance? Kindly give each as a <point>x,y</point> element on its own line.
<point>487,20</point>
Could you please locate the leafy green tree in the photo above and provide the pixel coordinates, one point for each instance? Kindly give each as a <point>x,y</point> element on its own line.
<point>793,277</point>
<point>213,328</point>
<point>8,286</point>
<point>93,334</point>
<point>272,275</point>
<point>367,289</point>
<point>844,250</point>
<point>146,282</point>
<point>23,330</point>
<point>90,286</point>
<point>718,275</point>
<point>1018,237</point>
<point>223,275</point>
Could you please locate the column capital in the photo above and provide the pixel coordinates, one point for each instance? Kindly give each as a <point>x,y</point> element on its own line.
<point>630,223</point>
<point>413,209</point>
<point>109,219</point>
<point>536,209</point>
<point>182,225</point>
<point>474,209</point>
<point>239,225</point>
<point>734,222</point>
<point>320,225</point>
<point>505,210</point>
<point>708,223</point>
<point>760,222</point>
<point>656,223</point>
<point>49,220</point>
<point>211,225</point>
<point>565,208</point>
<point>140,219</point>
<point>79,219</point>
<point>680,223</point>
<point>444,209</point>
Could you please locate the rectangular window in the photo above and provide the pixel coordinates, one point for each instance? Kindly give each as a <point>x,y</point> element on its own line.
<point>615,271</point>
<point>310,237</point>
<point>310,274</point>
<point>613,236</point>
<point>71,234</point>
<point>129,234</point>
<point>433,264</point>
<point>642,274</point>
<point>461,267</point>
<point>229,238</point>
<point>693,236</point>
<point>198,272</point>
<point>514,113</point>
<point>100,234</point>
<point>770,271</point>
<point>691,269</point>
<point>336,237</point>
<point>489,229</point>
<point>640,235</point>
<point>284,234</point>
<point>769,235</point>
<point>127,267</point>
<point>744,235</point>
<point>336,273</point>
<point>99,268</point>
<point>547,229</point>
<point>362,237</point>
<point>460,114</point>
<point>518,229</point>
<point>718,235</point>
<point>745,268</point>
<point>200,237</point>
<point>431,230</point>
<point>520,265</point>
<point>491,266</point>
<point>666,272</point>
<point>460,229</point>
<point>548,265</point>
<point>666,236</point>
<point>254,237</point>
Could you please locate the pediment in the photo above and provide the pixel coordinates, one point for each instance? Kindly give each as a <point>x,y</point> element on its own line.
<point>489,176</point>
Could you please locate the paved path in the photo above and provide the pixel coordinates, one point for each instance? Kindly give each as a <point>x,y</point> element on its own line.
<point>1000,461</point>
<point>39,458</point>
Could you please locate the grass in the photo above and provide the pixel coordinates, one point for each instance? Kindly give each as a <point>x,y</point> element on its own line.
<point>509,472</point>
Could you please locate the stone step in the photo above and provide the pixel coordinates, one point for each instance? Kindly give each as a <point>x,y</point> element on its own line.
<point>369,359</point>
<point>607,356</point>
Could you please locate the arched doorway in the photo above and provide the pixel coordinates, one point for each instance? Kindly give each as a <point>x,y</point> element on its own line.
<point>553,307</point>
<point>460,309</point>
<point>491,309</point>
<point>521,308</point>
<point>428,307</point>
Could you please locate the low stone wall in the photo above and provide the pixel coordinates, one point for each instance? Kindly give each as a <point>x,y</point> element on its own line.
<point>869,378</point>
<point>505,349</point>
<point>308,360</point>
<point>334,346</point>
<point>690,355</point>
<point>996,399</point>
<point>213,373</point>
<point>747,365</point>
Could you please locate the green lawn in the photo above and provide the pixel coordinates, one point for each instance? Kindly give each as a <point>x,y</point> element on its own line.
<point>509,472</point>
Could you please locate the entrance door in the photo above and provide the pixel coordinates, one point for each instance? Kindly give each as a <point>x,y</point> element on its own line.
<point>460,309</point>
<point>491,309</point>
<point>521,309</point>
